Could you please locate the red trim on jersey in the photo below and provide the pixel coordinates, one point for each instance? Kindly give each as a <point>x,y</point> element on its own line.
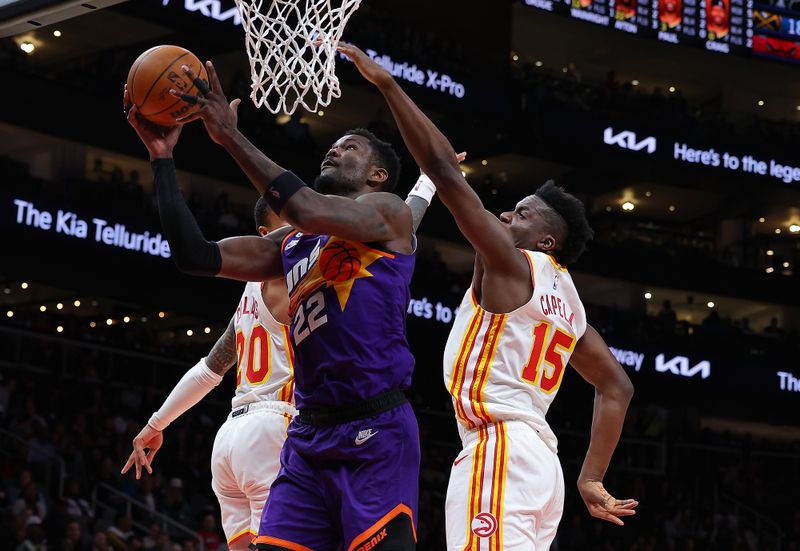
<point>239,536</point>
<point>529,257</point>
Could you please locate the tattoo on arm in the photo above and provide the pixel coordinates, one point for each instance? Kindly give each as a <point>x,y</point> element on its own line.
<point>418,207</point>
<point>223,355</point>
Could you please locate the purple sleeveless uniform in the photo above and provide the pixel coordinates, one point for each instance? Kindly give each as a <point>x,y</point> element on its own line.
<point>345,486</point>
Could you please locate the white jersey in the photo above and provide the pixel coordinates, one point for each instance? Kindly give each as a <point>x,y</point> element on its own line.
<point>502,367</point>
<point>265,361</point>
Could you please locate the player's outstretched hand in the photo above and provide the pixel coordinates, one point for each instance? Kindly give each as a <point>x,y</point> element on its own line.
<point>368,68</point>
<point>603,505</point>
<point>148,439</point>
<point>218,114</point>
<point>159,140</point>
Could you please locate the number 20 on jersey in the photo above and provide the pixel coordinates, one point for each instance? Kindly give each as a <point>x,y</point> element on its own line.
<point>258,356</point>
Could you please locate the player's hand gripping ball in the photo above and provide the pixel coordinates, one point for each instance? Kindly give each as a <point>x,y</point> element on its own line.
<point>157,71</point>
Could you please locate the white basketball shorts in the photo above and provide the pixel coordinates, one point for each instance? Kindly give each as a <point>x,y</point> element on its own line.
<point>244,463</point>
<point>506,491</point>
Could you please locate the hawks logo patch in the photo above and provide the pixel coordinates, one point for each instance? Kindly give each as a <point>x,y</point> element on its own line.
<point>484,525</point>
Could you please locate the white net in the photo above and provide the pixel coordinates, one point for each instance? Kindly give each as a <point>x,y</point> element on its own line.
<point>292,49</point>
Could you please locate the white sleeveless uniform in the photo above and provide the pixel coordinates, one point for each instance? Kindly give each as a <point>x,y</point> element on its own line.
<point>506,489</point>
<point>246,455</point>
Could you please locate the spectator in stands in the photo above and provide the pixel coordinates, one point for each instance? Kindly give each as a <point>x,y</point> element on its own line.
<point>151,540</point>
<point>98,172</point>
<point>23,424</point>
<point>78,541</point>
<point>144,490</point>
<point>573,75</point>
<point>209,534</point>
<point>667,318</point>
<point>34,536</point>
<point>713,325</point>
<point>773,329</point>
<point>175,505</point>
<point>31,500</point>
<point>100,542</point>
<point>120,533</point>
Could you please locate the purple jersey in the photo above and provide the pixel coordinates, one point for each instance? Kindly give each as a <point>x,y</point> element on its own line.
<point>348,306</point>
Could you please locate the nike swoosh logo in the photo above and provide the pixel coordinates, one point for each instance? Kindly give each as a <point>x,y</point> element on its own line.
<point>361,438</point>
<point>459,460</point>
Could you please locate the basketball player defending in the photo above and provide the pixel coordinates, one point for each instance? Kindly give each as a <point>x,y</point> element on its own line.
<point>516,329</point>
<point>245,457</point>
<point>350,465</point>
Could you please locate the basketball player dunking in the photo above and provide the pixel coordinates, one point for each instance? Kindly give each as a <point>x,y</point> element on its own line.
<point>516,329</point>
<point>350,464</point>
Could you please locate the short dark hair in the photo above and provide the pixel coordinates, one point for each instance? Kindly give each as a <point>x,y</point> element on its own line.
<point>385,156</point>
<point>573,212</point>
<point>260,212</point>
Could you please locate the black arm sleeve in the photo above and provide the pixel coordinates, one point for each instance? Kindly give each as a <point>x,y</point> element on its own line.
<point>191,252</point>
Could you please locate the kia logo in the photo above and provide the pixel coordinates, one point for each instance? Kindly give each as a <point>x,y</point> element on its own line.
<point>628,140</point>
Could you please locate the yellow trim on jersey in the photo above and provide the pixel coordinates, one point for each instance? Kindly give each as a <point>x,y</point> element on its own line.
<point>240,351</point>
<point>529,258</point>
<point>286,393</point>
<point>483,366</point>
<point>235,537</point>
<point>499,484</point>
<point>462,361</point>
<point>476,487</point>
<point>556,265</point>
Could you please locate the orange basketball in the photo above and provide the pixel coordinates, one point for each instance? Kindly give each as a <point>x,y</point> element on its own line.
<point>339,262</point>
<point>151,77</point>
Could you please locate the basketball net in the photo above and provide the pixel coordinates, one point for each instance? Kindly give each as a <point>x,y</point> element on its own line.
<point>292,51</point>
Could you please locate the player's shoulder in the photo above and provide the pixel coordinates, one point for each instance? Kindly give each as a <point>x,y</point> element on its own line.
<point>543,260</point>
<point>384,200</point>
<point>279,236</point>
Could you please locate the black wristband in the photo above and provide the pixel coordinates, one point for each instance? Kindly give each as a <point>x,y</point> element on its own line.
<point>281,190</point>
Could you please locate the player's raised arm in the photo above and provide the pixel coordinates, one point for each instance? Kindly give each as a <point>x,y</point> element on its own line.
<point>381,217</point>
<point>437,158</point>
<point>613,392</point>
<point>421,195</point>
<point>193,387</point>
<point>246,258</point>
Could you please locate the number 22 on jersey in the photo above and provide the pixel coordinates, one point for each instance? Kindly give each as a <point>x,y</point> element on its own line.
<point>548,349</point>
<point>257,345</point>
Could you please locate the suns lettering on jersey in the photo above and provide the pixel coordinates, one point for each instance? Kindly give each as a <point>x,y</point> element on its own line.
<point>303,265</point>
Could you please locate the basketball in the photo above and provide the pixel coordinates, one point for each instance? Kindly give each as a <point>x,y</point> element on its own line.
<point>151,77</point>
<point>339,262</point>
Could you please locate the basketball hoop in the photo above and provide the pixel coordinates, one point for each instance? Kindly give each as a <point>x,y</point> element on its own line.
<point>292,51</point>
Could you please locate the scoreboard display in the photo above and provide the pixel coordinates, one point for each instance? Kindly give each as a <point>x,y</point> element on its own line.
<point>742,27</point>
